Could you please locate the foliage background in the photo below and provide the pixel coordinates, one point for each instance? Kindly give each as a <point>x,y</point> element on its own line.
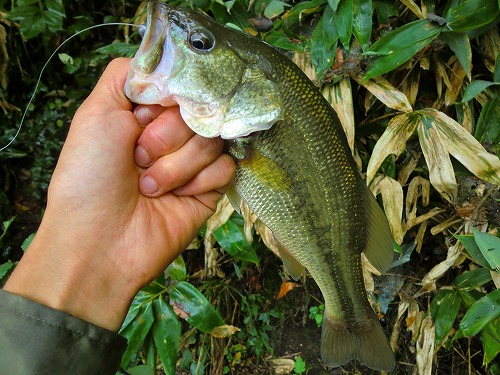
<point>413,82</point>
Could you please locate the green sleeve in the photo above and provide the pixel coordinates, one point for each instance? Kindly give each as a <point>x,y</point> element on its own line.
<point>35,339</point>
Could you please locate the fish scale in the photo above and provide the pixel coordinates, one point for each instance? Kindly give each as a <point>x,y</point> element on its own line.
<point>294,166</point>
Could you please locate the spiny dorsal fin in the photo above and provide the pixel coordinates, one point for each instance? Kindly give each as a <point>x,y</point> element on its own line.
<point>379,248</point>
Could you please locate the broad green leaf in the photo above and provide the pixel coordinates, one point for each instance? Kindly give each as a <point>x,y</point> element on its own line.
<point>405,36</point>
<point>231,239</point>
<point>140,370</point>
<point>65,58</point>
<point>275,8</point>
<point>475,88</point>
<point>333,4</point>
<point>135,307</point>
<point>491,348</point>
<point>460,45</point>
<point>434,147</point>
<point>481,313</point>
<point>56,7</point>
<point>472,14</point>
<point>385,9</point>
<point>177,269</point>
<point>362,23</point>
<point>324,43</point>
<point>464,147</point>
<point>119,49</point>
<point>489,246</point>
<point>473,250</point>
<point>136,332</point>
<point>166,333</point>
<point>393,141</point>
<point>191,305</point>
<point>445,312</point>
<point>5,267</point>
<point>149,352</point>
<point>473,279</point>
<point>487,129</point>
<point>301,10</point>
<point>280,40</point>
<point>343,21</point>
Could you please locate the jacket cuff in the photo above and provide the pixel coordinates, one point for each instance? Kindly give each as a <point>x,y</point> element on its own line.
<point>36,339</point>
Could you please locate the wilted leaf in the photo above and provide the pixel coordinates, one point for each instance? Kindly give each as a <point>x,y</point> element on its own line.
<point>166,334</point>
<point>425,347</point>
<point>418,187</point>
<point>387,94</point>
<point>224,331</point>
<point>481,313</point>
<point>392,197</point>
<point>286,286</point>
<point>191,305</point>
<point>464,147</point>
<point>441,173</point>
<point>457,76</point>
<point>440,269</point>
<point>282,366</point>
<point>414,8</point>
<point>393,141</point>
<point>340,97</point>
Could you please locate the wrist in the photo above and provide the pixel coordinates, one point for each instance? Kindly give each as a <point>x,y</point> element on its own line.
<point>68,279</point>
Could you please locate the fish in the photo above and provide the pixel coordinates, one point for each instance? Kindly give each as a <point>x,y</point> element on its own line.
<point>294,166</point>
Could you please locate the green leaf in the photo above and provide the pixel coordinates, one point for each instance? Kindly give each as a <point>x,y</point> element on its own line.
<point>385,10</point>
<point>119,49</point>
<point>489,246</point>
<point>140,370</point>
<point>6,224</point>
<point>343,21</point>
<point>475,88</point>
<point>481,313</point>
<point>231,239</point>
<point>334,4</point>
<point>445,308</point>
<point>362,23</point>
<point>300,365</point>
<point>472,14</point>
<point>275,8</point>
<point>400,45</point>
<point>487,129</point>
<point>324,43</point>
<point>27,241</point>
<point>496,70</point>
<point>166,333</point>
<point>177,269</point>
<point>301,10</point>
<point>56,7</point>
<point>65,58</point>
<point>491,348</point>
<point>136,332</point>
<point>191,305</point>
<point>460,45</point>
<point>471,247</point>
<point>5,267</point>
<point>473,279</point>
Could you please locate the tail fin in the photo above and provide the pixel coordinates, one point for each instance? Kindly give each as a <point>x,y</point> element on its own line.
<point>365,341</point>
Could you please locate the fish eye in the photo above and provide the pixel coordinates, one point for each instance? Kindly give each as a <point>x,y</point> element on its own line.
<point>201,40</point>
<point>142,30</point>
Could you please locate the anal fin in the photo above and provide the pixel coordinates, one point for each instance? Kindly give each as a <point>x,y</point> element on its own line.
<point>292,265</point>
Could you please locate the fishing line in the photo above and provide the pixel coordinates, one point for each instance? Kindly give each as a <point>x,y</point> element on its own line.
<point>47,63</point>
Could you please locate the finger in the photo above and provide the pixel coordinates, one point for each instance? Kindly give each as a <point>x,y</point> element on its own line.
<point>216,176</point>
<point>147,113</point>
<point>164,135</point>
<point>175,169</point>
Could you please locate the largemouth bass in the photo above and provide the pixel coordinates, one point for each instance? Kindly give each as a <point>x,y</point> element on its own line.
<point>294,166</point>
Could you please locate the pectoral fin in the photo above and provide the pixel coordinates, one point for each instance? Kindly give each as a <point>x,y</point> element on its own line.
<point>379,246</point>
<point>292,265</point>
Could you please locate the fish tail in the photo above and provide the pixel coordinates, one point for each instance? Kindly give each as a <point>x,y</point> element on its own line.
<point>364,340</point>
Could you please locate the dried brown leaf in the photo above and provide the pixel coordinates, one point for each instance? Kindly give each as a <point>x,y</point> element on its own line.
<point>489,44</point>
<point>441,268</point>
<point>410,85</point>
<point>386,93</point>
<point>425,347</point>
<point>456,79</point>
<point>224,331</point>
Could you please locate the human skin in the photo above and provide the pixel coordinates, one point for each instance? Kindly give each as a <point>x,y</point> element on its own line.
<point>129,193</point>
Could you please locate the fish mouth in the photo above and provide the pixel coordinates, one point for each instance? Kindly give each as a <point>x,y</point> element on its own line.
<point>154,60</point>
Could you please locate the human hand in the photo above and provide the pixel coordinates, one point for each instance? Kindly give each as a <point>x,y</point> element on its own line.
<point>101,239</point>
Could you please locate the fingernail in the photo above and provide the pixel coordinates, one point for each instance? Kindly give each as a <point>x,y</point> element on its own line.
<point>141,156</point>
<point>148,185</point>
<point>143,115</point>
